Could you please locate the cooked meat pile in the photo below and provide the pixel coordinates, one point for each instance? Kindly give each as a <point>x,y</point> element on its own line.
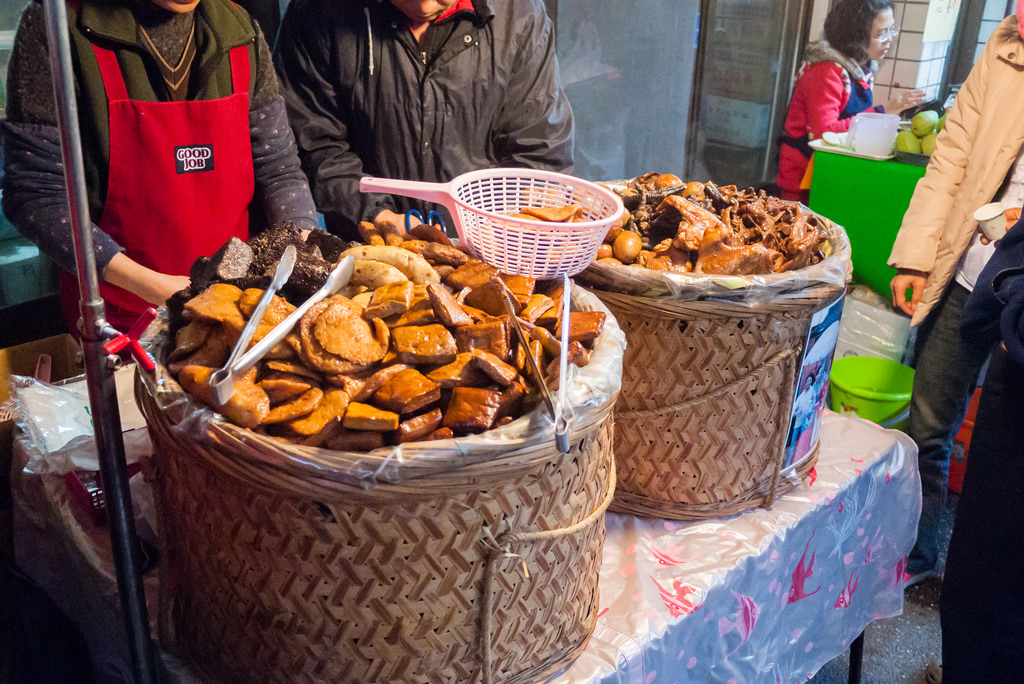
<point>704,228</point>
<point>417,346</point>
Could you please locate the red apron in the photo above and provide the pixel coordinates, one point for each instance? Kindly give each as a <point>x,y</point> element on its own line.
<point>180,182</point>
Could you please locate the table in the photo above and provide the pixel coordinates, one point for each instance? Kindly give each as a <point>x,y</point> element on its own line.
<point>868,198</point>
<point>769,595</point>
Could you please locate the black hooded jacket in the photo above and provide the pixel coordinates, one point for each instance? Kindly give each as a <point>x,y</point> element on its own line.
<point>364,100</point>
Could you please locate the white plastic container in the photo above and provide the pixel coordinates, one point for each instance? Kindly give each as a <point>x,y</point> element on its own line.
<point>872,134</point>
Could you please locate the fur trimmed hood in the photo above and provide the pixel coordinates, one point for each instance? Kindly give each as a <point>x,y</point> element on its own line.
<point>821,51</point>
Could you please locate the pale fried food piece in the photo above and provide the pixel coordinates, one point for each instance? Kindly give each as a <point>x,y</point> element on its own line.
<point>330,410</point>
<point>415,267</point>
<point>281,386</point>
<point>374,274</point>
<point>247,407</point>
<point>218,303</point>
<point>296,408</point>
<point>360,416</point>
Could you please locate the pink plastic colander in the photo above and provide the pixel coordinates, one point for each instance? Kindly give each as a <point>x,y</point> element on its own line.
<point>481,202</point>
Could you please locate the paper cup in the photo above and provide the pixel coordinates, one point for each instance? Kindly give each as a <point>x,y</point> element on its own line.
<point>991,220</point>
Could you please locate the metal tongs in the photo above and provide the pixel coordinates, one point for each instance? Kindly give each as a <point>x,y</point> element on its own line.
<point>559,411</point>
<point>223,380</point>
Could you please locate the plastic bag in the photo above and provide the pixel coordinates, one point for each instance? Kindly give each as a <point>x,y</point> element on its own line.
<point>56,423</point>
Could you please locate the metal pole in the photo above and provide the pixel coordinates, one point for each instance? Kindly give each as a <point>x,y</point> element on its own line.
<point>99,366</point>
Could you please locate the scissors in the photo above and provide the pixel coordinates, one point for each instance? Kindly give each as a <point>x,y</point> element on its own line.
<point>433,218</point>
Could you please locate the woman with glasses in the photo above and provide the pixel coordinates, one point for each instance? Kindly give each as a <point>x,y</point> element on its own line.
<point>834,83</point>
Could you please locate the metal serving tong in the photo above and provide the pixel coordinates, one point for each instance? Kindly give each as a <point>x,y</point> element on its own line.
<point>558,413</point>
<point>223,380</point>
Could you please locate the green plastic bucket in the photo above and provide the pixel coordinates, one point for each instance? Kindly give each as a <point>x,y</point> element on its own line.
<point>874,389</point>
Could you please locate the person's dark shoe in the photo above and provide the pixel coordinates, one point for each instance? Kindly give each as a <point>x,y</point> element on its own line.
<point>910,580</point>
<point>933,673</point>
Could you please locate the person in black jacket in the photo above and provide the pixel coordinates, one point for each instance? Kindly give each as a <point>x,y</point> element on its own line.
<point>418,90</point>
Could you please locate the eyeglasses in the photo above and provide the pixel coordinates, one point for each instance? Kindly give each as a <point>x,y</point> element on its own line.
<point>887,34</point>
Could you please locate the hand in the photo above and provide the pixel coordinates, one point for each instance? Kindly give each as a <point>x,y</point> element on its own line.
<point>908,279</point>
<point>152,286</point>
<point>903,99</point>
<point>391,226</point>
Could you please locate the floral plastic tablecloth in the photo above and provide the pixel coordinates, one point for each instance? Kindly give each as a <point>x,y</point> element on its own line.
<point>769,595</point>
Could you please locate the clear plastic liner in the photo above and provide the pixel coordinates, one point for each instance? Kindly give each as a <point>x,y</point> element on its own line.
<point>746,290</point>
<point>56,423</point>
<point>462,461</point>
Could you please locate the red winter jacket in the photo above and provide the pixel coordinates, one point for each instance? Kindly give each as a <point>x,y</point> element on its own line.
<point>820,96</point>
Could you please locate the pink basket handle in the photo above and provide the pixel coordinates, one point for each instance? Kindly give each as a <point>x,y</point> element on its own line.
<point>438,193</point>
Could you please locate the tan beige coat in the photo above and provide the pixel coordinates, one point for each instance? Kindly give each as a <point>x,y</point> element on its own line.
<point>984,132</point>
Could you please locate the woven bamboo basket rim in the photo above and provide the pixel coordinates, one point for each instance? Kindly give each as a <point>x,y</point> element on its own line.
<point>720,294</point>
<point>416,469</point>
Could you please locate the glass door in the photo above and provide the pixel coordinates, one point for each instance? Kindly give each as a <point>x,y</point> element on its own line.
<point>749,51</point>
<point>627,68</point>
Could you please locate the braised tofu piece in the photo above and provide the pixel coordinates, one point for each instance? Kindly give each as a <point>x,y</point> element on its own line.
<point>496,369</point>
<point>407,391</point>
<point>440,433</point>
<point>521,287</point>
<point>417,428</point>
<point>461,372</point>
<point>281,387</point>
<point>437,253</point>
<point>511,398</point>
<point>471,410</point>
<point>303,405</point>
<point>218,303</point>
<point>585,326</point>
<point>447,310</point>
<point>490,298</point>
<point>355,440</point>
<point>473,273</point>
<point>377,380</point>
<point>192,336</point>
<point>536,306</point>
<point>294,369</point>
<point>247,407</point>
<point>213,353</point>
<point>420,312</point>
<point>360,416</point>
<point>392,299</point>
<point>428,344</point>
<point>327,413</point>
<point>492,336</point>
<point>430,233</point>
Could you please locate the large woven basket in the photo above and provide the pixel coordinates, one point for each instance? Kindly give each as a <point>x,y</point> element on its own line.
<point>466,560</point>
<point>708,380</point>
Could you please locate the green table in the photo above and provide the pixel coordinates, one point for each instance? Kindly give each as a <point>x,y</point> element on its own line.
<point>868,198</point>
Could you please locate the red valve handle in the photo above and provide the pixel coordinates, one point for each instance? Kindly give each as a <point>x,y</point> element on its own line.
<point>130,340</point>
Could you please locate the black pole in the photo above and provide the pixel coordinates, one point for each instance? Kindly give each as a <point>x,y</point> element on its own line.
<point>99,366</point>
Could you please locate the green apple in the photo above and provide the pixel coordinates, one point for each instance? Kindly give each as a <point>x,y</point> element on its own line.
<point>924,123</point>
<point>928,143</point>
<point>906,141</point>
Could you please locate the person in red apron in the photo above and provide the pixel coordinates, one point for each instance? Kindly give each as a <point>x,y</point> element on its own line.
<point>182,126</point>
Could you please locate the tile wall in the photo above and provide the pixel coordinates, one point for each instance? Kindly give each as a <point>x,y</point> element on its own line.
<point>915,63</point>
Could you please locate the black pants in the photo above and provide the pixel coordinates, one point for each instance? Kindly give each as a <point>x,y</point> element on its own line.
<point>982,604</point>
